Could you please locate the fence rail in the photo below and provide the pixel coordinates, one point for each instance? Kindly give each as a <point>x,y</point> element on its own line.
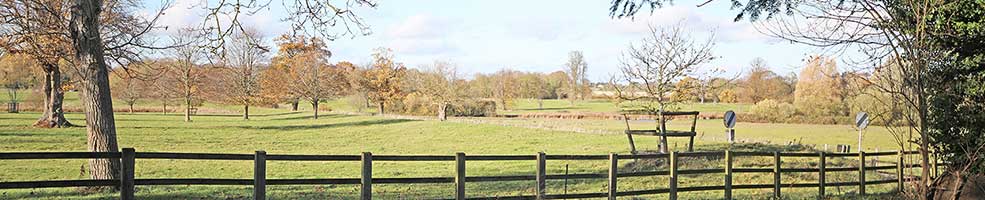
<point>128,181</point>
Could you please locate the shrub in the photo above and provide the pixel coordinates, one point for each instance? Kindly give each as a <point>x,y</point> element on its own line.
<point>473,108</point>
<point>774,111</point>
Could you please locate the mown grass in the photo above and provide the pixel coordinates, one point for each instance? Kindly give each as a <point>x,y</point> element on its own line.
<point>295,133</point>
<point>281,132</point>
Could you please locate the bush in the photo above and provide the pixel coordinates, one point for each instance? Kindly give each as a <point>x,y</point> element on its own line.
<point>473,108</point>
<point>415,104</point>
<point>774,111</point>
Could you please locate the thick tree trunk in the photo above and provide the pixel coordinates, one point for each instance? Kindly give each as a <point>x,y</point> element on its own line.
<point>294,105</point>
<point>53,115</point>
<point>96,98</point>
<point>442,109</point>
<point>380,108</point>
<point>314,104</point>
<point>131,107</point>
<point>188,109</point>
<point>246,111</point>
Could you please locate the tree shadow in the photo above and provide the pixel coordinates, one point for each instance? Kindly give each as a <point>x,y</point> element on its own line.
<point>321,126</point>
<point>216,114</point>
<point>661,163</point>
<point>311,117</point>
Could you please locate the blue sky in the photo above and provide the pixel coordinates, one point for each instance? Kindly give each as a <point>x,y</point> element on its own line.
<point>486,36</point>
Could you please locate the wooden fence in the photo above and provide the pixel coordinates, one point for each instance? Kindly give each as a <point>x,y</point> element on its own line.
<point>127,182</point>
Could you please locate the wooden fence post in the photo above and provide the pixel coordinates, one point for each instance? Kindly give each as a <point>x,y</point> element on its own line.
<point>460,176</point>
<point>260,175</point>
<point>613,175</point>
<point>126,174</point>
<point>899,172</point>
<point>728,175</point>
<point>366,181</point>
<point>776,174</point>
<point>820,175</point>
<point>861,173</point>
<point>541,175</point>
<point>673,175</point>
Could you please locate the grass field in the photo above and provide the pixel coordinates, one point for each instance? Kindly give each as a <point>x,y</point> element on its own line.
<point>283,132</point>
<point>521,106</point>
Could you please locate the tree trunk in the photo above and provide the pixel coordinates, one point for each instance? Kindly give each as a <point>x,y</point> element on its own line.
<point>663,130</point>
<point>381,108</point>
<point>314,104</point>
<point>53,115</point>
<point>188,109</point>
<point>246,111</point>
<point>96,98</point>
<point>131,107</point>
<point>165,110</point>
<point>294,105</point>
<point>441,111</point>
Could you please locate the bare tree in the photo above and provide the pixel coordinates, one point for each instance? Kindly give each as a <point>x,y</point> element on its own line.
<point>651,68</point>
<point>185,71</point>
<point>239,73</point>
<point>578,84</point>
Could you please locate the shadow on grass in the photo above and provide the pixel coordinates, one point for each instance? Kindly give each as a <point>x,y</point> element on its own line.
<point>320,116</point>
<point>321,126</point>
<point>661,164</point>
<point>212,114</point>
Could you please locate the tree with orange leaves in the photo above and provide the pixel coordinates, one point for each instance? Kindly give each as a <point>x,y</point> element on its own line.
<point>383,80</point>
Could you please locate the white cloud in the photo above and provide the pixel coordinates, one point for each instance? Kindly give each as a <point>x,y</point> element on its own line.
<point>421,34</point>
<point>419,26</point>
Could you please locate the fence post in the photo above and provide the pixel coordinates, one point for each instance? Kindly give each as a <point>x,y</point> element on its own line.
<point>126,174</point>
<point>260,175</point>
<point>820,175</point>
<point>541,175</point>
<point>613,175</point>
<point>861,173</point>
<point>776,174</point>
<point>673,175</point>
<point>366,181</point>
<point>728,175</point>
<point>460,176</point>
<point>899,172</point>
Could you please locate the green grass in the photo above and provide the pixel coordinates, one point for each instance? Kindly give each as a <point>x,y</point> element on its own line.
<point>282,132</point>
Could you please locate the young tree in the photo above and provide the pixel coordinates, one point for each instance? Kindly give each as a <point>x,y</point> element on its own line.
<point>14,77</point>
<point>239,73</point>
<point>384,79</point>
<point>652,67</point>
<point>316,79</point>
<point>576,68</point>
<point>186,71</point>
<point>130,88</point>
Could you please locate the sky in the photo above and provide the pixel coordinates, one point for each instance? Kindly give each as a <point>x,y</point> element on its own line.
<point>487,36</point>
